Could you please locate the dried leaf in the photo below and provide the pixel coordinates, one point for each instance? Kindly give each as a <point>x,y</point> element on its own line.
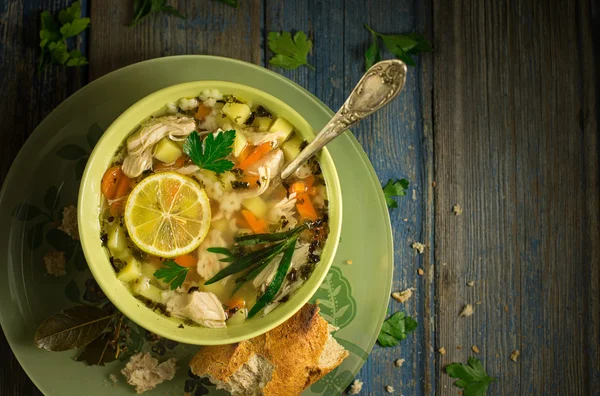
<point>99,351</point>
<point>72,328</point>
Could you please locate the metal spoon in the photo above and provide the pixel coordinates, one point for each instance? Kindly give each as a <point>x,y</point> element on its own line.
<point>380,84</point>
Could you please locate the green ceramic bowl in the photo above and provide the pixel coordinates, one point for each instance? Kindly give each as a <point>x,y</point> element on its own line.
<point>90,199</point>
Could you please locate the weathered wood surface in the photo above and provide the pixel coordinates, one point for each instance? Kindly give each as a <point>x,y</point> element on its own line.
<point>516,145</point>
<point>503,117</point>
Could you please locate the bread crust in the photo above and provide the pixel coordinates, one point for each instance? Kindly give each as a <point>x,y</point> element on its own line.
<point>294,348</point>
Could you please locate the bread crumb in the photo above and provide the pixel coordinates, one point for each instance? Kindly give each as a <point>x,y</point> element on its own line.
<point>467,310</point>
<point>389,389</point>
<point>515,355</point>
<point>470,283</point>
<point>406,219</point>
<point>113,378</point>
<point>349,262</point>
<point>420,271</point>
<point>144,372</point>
<point>356,387</point>
<point>69,222</point>
<point>459,347</point>
<point>402,296</point>
<point>399,362</point>
<point>414,195</point>
<point>475,349</point>
<point>506,308</point>
<point>55,263</point>
<point>419,247</point>
<point>478,303</point>
<point>457,210</point>
<point>433,184</point>
<point>442,351</point>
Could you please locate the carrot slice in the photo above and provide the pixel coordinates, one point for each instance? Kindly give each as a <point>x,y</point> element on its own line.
<point>186,260</point>
<point>236,302</point>
<point>115,187</point>
<point>259,226</point>
<point>258,153</point>
<point>305,206</point>
<point>246,151</point>
<point>110,181</point>
<point>202,112</point>
<point>252,180</point>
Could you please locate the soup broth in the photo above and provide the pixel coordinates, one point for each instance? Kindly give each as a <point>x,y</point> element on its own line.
<point>191,221</point>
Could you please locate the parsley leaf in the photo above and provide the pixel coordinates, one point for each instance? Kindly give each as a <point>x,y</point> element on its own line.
<point>401,45</point>
<point>54,34</point>
<point>395,329</point>
<point>289,54</point>
<point>394,189</point>
<point>373,55</point>
<point>143,8</point>
<point>472,377</point>
<point>232,3</point>
<point>172,273</point>
<point>210,154</point>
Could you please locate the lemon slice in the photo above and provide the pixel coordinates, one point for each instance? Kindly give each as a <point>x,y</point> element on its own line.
<point>167,215</point>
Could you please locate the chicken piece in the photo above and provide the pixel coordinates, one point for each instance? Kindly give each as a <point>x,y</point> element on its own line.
<point>206,309</point>
<point>273,162</point>
<point>140,145</point>
<point>208,263</point>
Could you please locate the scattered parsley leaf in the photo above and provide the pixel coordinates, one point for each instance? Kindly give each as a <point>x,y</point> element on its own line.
<point>232,3</point>
<point>210,153</point>
<point>373,55</point>
<point>54,33</point>
<point>289,54</point>
<point>143,8</point>
<point>401,45</point>
<point>472,377</point>
<point>395,329</point>
<point>172,273</point>
<point>394,189</point>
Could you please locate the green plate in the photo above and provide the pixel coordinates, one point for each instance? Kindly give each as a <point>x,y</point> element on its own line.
<point>45,177</point>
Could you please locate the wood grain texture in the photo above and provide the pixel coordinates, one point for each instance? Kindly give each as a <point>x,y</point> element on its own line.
<point>28,98</point>
<point>516,146</point>
<point>503,117</point>
<point>211,28</point>
<point>395,144</point>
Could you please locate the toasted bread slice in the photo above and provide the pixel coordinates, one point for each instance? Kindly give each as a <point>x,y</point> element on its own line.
<point>284,361</point>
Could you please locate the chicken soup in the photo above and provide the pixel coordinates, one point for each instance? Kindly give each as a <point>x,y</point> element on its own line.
<point>191,221</point>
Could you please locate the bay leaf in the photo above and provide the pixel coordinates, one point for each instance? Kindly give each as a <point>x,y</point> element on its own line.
<point>99,351</point>
<point>72,328</point>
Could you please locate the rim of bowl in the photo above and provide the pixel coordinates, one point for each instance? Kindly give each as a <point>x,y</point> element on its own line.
<point>89,220</point>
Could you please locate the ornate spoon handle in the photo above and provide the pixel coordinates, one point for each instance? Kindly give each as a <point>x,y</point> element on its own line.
<point>380,84</point>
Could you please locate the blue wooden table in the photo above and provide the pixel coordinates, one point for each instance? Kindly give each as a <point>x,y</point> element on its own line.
<point>502,119</point>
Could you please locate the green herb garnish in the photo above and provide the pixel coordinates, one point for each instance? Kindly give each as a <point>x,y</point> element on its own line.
<point>395,328</point>
<point>54,35</point>
<point>172,273</point>
<point>275,285</point>
<point>394,189</point>
<point>210,154</point>
<point>143,8</point>
<point>289,53</point>
<point>401,45</point>
<point>472,377</point>
<point>255,262</point>
<point>232,3</point>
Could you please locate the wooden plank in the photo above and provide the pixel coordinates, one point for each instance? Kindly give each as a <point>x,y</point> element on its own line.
<point>211,28</point>
<point>393,140</point>
<point>516,146</point>
<point>29,97</point>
